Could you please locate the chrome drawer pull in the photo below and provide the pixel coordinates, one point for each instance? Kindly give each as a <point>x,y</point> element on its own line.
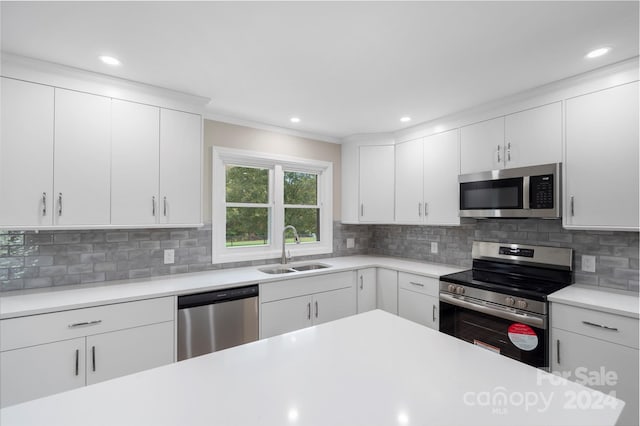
<point>599,325</point>
<point>86,323</point>
<point>418,284</point>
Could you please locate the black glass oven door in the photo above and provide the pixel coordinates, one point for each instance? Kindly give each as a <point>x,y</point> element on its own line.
<point>507,337</point>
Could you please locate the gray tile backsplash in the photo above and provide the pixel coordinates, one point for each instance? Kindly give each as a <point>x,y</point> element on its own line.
<point>55,258</point>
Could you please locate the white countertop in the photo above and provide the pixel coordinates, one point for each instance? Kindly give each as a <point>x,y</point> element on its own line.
<point>368,369</point>
<point>615,302</point>
<point>31,302</point>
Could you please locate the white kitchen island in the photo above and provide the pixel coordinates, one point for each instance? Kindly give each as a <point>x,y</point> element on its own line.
<point>369,369</point>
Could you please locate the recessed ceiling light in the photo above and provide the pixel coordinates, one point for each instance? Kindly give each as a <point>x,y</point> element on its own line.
<point>110,60</point>
<point>405,119</point>
<point>294,119</point>
<point>598,52</point>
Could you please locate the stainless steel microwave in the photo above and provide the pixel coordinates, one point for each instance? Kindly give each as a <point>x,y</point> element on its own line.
<point>519,192</point>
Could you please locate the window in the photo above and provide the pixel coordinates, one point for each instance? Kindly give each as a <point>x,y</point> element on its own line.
<point>255,195</point>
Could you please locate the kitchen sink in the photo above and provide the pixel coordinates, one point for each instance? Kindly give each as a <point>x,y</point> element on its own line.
<point>282,269</point>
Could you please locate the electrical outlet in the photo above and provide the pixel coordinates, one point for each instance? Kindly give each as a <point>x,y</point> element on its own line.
<point>588,263</point>
<point>169,256</point>
<point>434,247</point>
<point>351,243</point>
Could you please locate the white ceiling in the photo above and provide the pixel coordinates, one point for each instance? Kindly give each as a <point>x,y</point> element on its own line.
<point>342,67</point>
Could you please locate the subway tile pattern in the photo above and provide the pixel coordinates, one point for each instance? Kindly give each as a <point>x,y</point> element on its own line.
<point>57,258</point>
<point>616,252</point>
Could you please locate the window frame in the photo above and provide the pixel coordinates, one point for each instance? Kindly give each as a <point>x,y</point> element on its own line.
<point>277,165</point>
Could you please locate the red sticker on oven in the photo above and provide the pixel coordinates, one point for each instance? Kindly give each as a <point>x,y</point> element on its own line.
<point>523,336</point>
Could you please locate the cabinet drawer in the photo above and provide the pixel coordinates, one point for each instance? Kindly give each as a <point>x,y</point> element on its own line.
<point>308,285</point>
<point>601,325</point>
<point>418,283</point>
<point>45,328</point>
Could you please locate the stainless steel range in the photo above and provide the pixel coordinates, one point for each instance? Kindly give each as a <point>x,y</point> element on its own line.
<point>501,303</point>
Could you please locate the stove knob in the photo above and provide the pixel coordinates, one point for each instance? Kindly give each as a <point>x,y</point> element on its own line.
<point>510,301</point>
<point>459,290</point>
<point>451,288</point>
<point>521,304</point>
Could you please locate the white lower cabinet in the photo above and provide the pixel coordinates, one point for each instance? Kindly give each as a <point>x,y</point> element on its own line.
<point>302,302</point>
<point>418,299</point>
<point>387,290</point>
<point>49,353</point>
<point>366,289</point>
<point>598,350</point>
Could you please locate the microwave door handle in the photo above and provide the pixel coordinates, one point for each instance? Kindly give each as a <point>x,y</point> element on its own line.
<point>525,193</point>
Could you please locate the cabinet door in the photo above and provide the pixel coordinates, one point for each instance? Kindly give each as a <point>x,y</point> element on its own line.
<point>376,183</point>
<point>333,305</point>
<point>409,178</point>
<point>441,170</point>
<point>418,307</point>
<point>612,367</point>
<point>123,352</point>
<point>82,158</point>
<point>41,370</point>
<point>387,290</point>
<point>135,162</point>
<point>481,146</point>
<point>180,167</point>
<point>366,285</point>
<point>534,136</point>
<point>601,163</point>
<point>26,154</point>
<point>282,316</point>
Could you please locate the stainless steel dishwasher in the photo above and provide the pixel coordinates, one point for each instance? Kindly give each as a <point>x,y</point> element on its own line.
<point>216,320</point>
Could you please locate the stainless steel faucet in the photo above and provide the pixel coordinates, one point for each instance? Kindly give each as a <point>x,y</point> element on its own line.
<point>297,239</point>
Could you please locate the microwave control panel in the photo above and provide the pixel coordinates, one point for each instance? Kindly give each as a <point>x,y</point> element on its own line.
<point>541,192</point>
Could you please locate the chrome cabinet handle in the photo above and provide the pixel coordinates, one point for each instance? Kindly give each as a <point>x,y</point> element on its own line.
<point>498,151</point>
<point>153,205</point>
<point>361,209</point>
<point>44,204</point>
<point>165,206</point>
<point>573,212</point>
<point>77,361</point>
<point>418,284</point>
<point>60,204</point>
<point>600,326</point>
<point>433,313</point>
<point>93,357</point>
<point>361,282</point>
<point>419,209</point>
<point>85,323</point>
<point>316,309</point>
<point>509,151</point>
<point>558,351</point>
<point>426,209</point>
<point>309,310</point>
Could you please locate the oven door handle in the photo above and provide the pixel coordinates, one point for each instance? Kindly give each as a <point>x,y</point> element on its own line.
<point>531,320</point>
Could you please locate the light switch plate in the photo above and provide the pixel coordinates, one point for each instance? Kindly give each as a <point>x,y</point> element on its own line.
<point>169,256</point>
<point>351,243</point>
<point>588,263</point>
<point>434,247</point>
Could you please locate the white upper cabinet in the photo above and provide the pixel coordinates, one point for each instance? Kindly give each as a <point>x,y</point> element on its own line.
<point>376,183</point>
<point>441,170</point>
<point>135,159</point>
<point>482,146</point>
<point>534,136</point>
<point>82,158</point>
<point>427,180</point>
<point>26,154</point>
<point>409,182</point>
<point>524,138</point>
<point>180,168</point>
<point>601,163</point>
